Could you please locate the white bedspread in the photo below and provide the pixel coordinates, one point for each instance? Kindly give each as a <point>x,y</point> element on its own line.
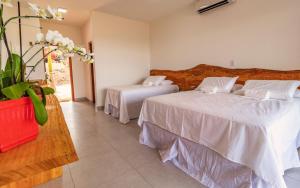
<point>261,135</point>
<point>128,100</point>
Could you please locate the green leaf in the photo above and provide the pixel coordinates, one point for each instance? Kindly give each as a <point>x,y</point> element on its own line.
<point>48,90</point>
<point>40,111</point>
<point>15,91</point>
<point>5,79</point>
<point>35,87</point>
<point>14,65</point>
<point>44,100</point>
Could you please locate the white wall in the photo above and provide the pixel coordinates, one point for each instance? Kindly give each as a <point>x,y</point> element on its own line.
<point>75,34</point>
<point>121,49</point>
<point>253,33</point>
<point>87,37</point>
<point>30,27</point>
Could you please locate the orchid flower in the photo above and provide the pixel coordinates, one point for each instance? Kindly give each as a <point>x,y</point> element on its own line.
<point>7,3</point>
<point>38,11</point>
<point>39,37</point>
<point>56,15</point>
<point>53,37</point>
<point>65,45</point>
<point>69,44</point>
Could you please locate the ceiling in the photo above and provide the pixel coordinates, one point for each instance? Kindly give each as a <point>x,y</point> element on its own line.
<point>145,10</point>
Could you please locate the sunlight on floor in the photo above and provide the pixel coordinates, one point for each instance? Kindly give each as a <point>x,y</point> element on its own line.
<point>63,92</point>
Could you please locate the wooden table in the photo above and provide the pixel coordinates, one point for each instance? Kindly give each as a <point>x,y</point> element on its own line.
<point>39,161</point>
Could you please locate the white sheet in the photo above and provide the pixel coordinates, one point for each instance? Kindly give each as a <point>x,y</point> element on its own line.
<point>128,100</point>
<point>198,161</point>
<point>257,134</point>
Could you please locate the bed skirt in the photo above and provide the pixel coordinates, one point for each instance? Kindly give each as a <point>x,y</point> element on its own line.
<point>125,117</point>
<point>113,111</point>
<point>198,161</point>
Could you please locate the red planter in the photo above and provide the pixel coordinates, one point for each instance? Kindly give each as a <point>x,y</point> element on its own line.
<point>17,123</point>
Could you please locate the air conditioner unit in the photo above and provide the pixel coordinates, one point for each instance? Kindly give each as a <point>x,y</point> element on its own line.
<point>206,5</point>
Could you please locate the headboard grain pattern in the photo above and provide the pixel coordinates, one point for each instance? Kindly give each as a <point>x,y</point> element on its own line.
<point>189,79</point>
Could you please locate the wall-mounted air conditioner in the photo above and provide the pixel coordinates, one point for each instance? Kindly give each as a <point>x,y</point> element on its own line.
<point>206,5</point>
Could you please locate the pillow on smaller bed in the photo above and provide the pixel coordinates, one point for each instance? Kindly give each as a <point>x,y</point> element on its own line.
<point>217,84</point>
<point>154,80</point>
<point>278,89</point>
<point>166,83</point>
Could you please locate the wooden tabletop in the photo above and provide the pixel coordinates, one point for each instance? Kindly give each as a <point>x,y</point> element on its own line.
<point>52,149</point>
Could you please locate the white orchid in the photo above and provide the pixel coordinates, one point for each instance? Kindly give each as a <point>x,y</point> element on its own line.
<point>55,13</point>
<point>67,55</point>
<point>39,37</point>
<point>34,7</point>
<point>7,3</point>
<point>38,11</point>
<point>88,58</point>
<point>50,36</point>
<point>69,44</point>
<point>65,45</point>
<point>57,41</point>
<point>54,37</point>
<point>80,50</point>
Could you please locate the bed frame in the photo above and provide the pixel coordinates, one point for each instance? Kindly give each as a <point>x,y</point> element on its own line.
<point>189,79</point>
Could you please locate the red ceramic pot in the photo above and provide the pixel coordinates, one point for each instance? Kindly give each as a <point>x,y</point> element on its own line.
<point>17,123</point>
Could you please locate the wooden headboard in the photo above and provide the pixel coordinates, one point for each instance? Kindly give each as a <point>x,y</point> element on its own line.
<point>191,78</point>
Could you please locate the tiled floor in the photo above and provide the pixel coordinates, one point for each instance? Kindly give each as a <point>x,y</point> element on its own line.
<point>111,156</point>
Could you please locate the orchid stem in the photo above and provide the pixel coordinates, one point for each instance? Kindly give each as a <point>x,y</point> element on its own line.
<point>13,79</point>
<point>22,17</point>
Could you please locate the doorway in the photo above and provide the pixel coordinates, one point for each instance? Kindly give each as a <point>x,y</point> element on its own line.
<point>59,75</point>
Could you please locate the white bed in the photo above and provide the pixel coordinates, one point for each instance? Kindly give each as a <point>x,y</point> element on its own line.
<point>125,102</point>
<point>224,140</point>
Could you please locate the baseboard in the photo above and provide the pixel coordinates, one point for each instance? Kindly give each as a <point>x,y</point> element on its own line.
<point>100,108</point>
<point>82,99</point>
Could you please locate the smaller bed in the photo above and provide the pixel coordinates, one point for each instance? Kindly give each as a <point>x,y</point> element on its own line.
<point>125,102</point>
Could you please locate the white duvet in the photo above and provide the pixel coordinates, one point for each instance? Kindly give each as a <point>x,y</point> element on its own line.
<point>261,135</point>
<point>128,100</point>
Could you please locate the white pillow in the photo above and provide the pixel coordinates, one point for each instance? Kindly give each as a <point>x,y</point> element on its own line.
<point>297,93</point>
<point>154,80</point>
<point>278,89</point>
<point>217,84</point>
<point>166,82</point>
<point>258,94</point>
<point>239,92</point>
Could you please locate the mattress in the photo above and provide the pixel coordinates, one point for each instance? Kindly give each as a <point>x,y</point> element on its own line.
<point>125,102</point>
<point>259,134</point>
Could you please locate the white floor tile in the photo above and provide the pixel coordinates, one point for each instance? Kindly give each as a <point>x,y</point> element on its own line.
<point>130,179</point>
<point>98,169</point>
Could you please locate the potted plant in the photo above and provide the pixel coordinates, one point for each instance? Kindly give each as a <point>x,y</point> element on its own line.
<point>22,103</point>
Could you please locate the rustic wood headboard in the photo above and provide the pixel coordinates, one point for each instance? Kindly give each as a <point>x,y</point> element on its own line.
<point>191,78</point>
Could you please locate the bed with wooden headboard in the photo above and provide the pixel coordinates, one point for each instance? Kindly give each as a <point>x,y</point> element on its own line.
<point>189,79</point>
<point>249,133</point>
